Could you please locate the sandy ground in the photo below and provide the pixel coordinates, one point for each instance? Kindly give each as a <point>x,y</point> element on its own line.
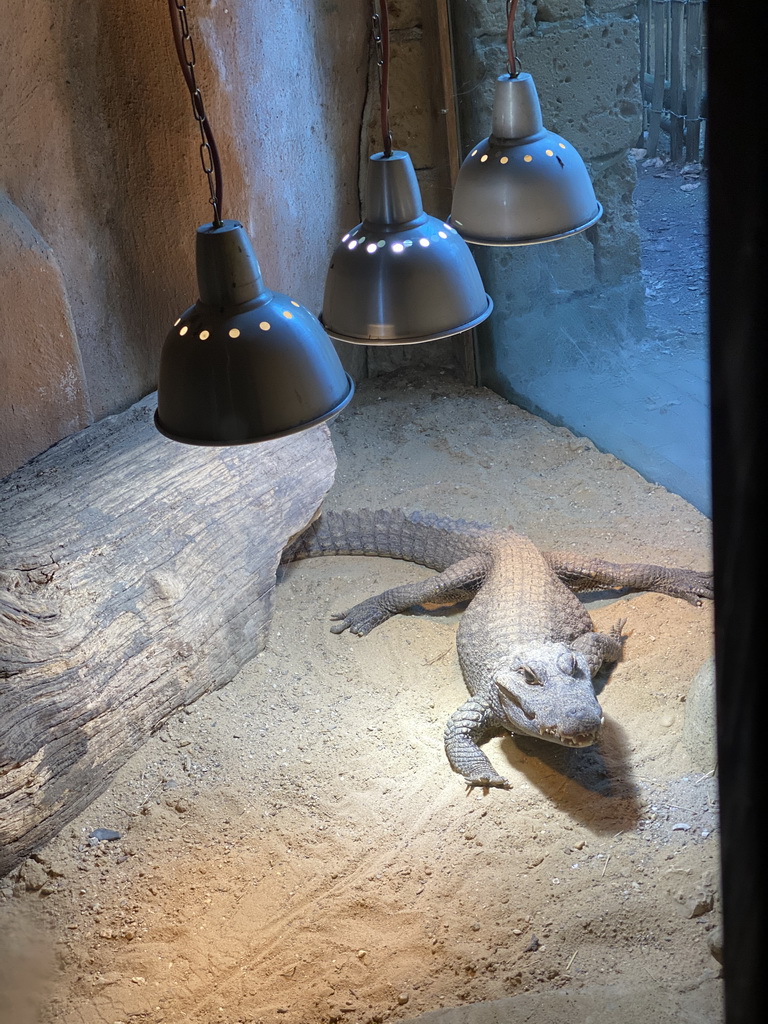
<point>296,847</point>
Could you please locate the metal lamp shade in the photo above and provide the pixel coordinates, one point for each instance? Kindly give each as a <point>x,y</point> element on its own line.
<point>523,184</point>
<point>244,364</point>
<point>401,277</point>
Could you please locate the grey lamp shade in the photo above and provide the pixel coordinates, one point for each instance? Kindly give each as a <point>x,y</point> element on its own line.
<point>401,277</point>
<point>244,364</point>
<point>523,184</point>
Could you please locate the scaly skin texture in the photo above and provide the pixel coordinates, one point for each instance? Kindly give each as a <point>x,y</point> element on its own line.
<point>527,646</point>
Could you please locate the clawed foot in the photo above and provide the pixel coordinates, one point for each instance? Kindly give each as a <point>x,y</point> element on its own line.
<point>487,781</point>
<point>361,619</point>
<point>617,630</point>
<point>693,586</point>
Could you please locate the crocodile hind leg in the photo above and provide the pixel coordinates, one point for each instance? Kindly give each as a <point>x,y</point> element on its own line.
<point>464,731</point>
<point>601,648</point>
<point>581,574</point>
<point>457,582</point>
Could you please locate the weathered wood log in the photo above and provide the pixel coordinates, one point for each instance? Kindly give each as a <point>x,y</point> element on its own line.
<point>136,574</point>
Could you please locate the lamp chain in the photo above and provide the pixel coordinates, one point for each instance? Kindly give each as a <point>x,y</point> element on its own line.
<point>381,39</point>
<point>513,60</point>
<point>209,155</point>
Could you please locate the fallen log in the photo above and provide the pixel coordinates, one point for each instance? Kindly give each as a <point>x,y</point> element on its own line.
<point>136,574</point>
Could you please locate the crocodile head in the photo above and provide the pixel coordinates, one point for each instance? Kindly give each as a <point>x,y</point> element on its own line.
<point>545,690</point>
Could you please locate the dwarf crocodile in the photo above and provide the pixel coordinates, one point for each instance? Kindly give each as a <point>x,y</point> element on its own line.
<point>526,644</point>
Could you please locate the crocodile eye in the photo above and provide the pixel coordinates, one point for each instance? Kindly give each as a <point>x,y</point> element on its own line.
<point>529,676</point>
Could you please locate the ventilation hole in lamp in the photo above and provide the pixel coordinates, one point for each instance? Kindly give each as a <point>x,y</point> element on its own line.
<point>296,304</point>
<point>549,152</point>
<point>398,247</point>
<point>424,242</point>
<point>352,244</point>
<point>380,244</point>
<point>371,247</point>
<point>505,160</point>
<point>561,145</point>
<point>234,333</point>
<point>527,158</point>
<point>483,158</point>
<point>184,330</point>
<point>177,322</point>
<point>265,325</point>
<point>473,153</point>
<point>287,314</point>
<point>442,234</point>
<point>204,335</point>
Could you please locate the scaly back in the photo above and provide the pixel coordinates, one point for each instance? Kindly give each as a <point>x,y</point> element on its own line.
<point>420,537</point>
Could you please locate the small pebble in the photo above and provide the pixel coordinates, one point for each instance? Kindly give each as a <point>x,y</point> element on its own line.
<point>100,834</point>
<point>403,998</point>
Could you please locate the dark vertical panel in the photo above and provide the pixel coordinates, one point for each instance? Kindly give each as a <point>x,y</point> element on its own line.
<point>739,312</point>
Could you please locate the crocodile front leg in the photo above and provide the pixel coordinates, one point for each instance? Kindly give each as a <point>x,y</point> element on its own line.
<point>457,582</point>
<point>464,731</point>
<point>601,648</point>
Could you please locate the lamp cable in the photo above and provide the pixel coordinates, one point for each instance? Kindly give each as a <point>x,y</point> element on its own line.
<point>209,154</point>
<point>381,40</point>
<point>513,60</point>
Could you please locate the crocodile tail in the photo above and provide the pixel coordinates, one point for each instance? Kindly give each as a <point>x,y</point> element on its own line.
<point>412,536</point>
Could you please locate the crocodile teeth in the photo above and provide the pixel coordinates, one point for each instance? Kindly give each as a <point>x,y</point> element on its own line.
<point>581,739</point>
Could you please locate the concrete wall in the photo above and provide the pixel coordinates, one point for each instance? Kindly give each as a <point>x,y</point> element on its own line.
<point>568,338</point>
<point>101,187</point>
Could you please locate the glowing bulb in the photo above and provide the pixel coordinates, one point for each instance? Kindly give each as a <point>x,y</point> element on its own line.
<point>234,333</point>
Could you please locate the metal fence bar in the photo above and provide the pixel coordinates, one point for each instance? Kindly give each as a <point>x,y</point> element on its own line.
<point>694,74</point>
<point>658,72</point>
<point>677,80</point>
<point>672,62</point>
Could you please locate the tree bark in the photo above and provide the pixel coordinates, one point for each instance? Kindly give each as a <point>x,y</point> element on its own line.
<point>136,574</point>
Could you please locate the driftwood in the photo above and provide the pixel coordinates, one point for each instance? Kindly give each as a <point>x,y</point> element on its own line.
<point>136,574</point>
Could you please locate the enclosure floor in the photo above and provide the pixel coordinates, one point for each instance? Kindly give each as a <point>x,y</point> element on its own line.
<point>295,848</point>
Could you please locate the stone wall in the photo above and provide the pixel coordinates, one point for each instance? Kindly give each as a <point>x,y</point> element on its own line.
<point>566,305</point>
<point>101,187</point>
<point>569,338</point>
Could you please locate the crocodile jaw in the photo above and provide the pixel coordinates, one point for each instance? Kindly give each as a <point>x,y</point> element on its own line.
<point>578,739</point>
